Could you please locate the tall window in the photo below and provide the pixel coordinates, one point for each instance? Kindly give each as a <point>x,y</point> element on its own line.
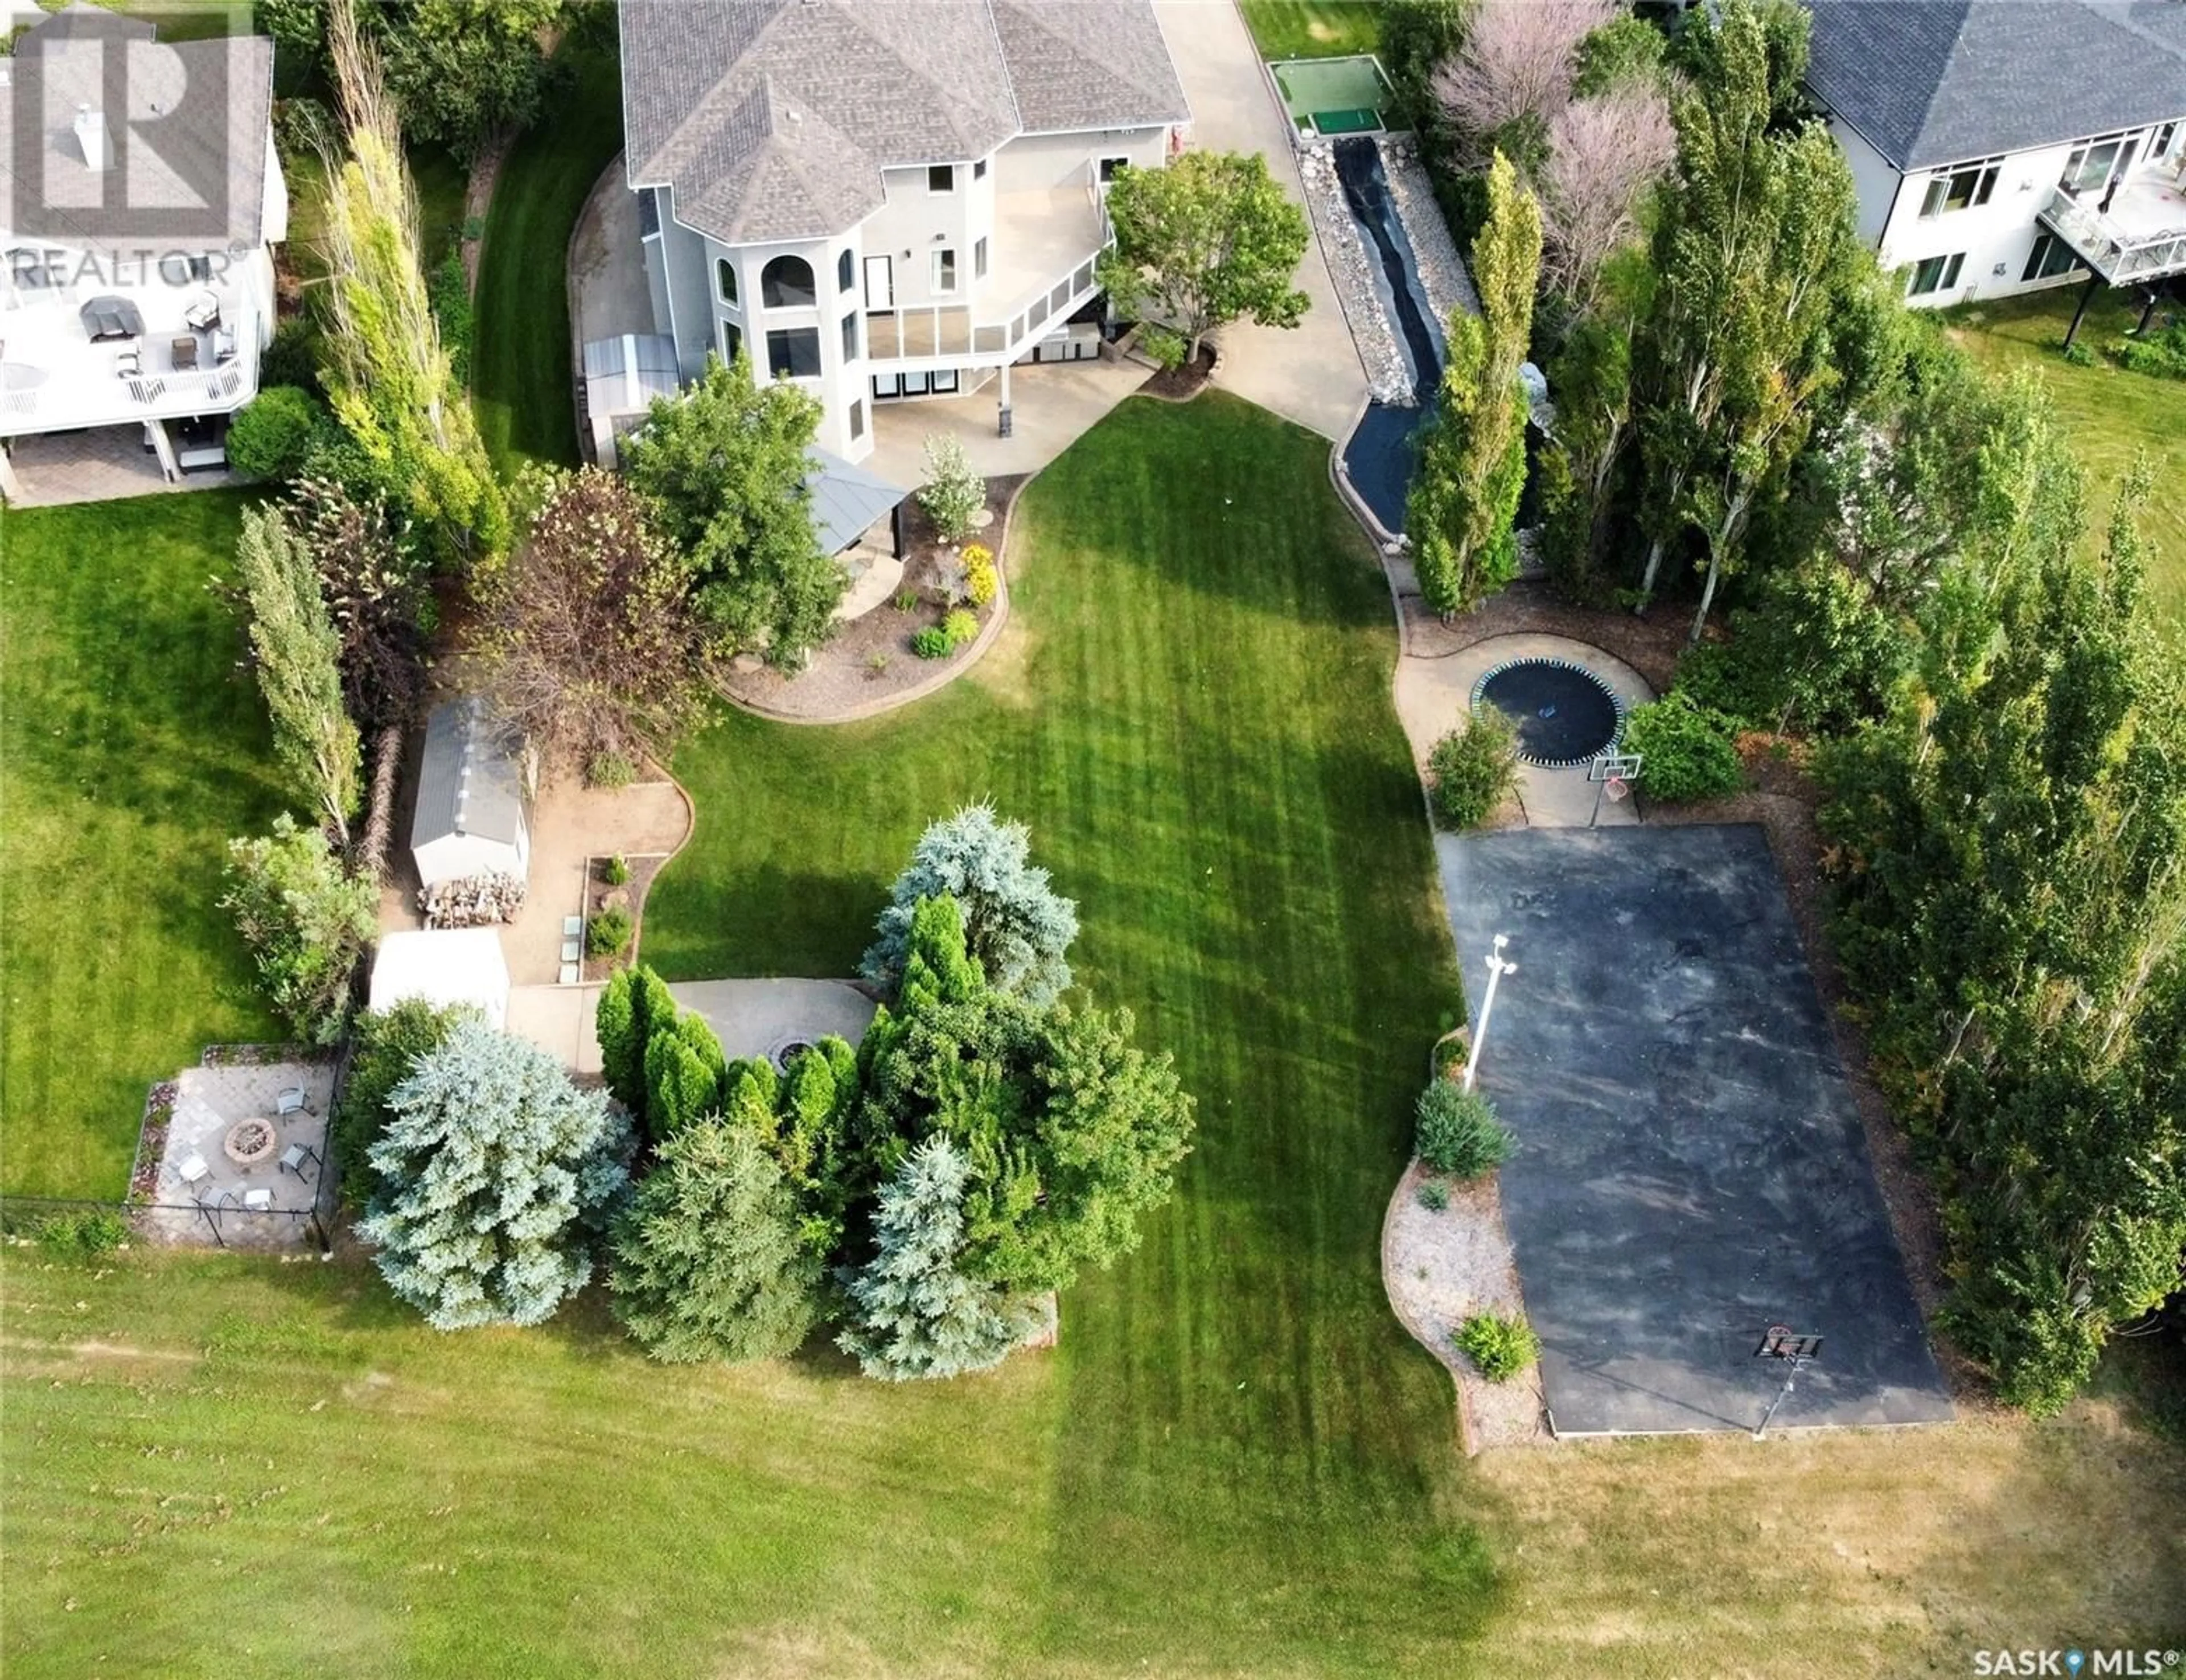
<point>1962,189</point>
<point>1110,165</point>
<point>732,340</point>
<point>850,336</point>
<point>980,259</point>
<point>794,354</point>
<point>1935,274</point>
<point>649,213</point>
<point>786,284</point>
<point>725,276</point>
<point>941,178</point>
<point>2050,257</point>
<point>979,169</point>
<point>846,272</point>
<point>945,270</point>
<point>857,419</point>
<point>2089,168</point>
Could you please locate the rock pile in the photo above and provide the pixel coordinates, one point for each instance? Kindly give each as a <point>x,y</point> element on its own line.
<point>1352,271</point>
<point>1442,270</point>
<point>473,901</point>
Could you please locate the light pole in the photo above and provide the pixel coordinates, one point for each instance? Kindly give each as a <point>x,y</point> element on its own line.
<point>1497,968</point>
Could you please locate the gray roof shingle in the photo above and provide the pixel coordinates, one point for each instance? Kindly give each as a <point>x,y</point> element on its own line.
<point>1938,81</point>
<point>772,120</point>
<point>471,779</point>
<point>176,155</point>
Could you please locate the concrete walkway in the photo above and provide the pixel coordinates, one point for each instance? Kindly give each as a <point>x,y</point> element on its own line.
<point>757,1017</point>
<point>1051,407</point>
<point>1434,694</point>
<point>1312,374</point>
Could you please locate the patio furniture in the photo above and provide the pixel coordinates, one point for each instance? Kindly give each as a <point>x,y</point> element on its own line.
<point>192,1170</point>
<point>294,1100</point>
<point>129,360</point>
<point>183,353</point>
<point>223,346</point>
<point>112,317</point>
<point>203,315</point>
<point>294,1157</point>
<point>258,1200</point>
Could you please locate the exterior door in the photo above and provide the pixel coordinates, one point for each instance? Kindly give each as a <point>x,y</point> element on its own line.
<point>880,283</point>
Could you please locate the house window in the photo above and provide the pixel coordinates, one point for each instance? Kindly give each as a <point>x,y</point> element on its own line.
<point>794,354</point>
<point>1962,189</point>
<point>649,213</point>
<point>2164,136</point>
<point>941,178</point>
<point>2050,257</point>
<point>1935,274</point>
<point>725,278</point>
<point>786,284</point>
<point>980,259</point>
<point>857,420</point>
<point>1110,165</point>
<point>846,272</point>
<point>944,382</point>
<point>945,270</point>
<point>850,336</point>
<point>979,169</point>
<point>732,340</point>
<point>2087,170</point>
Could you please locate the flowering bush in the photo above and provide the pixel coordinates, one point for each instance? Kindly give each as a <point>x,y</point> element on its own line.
<point>980,580</point>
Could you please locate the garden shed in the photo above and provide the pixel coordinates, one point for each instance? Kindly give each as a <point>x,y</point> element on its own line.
<point>473,797</point>
<point>443,965</point>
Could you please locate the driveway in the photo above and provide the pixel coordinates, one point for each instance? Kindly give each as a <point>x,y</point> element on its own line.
<point>1311,374</point>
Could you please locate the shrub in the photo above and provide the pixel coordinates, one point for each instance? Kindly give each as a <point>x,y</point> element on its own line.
<point>932,643</point>
<point>608,933</point>
<point>292,357</point>
<point>609,770</point>
<point>448,295</point>
<point>906,600</point>
<point>307,920</point>
<point>961,626</point>
<point>1434,1195</point>
<point>1689,749</point>
<point>617,872</point>
<point>1500,1347</point>
<point>1164,347</point>
<point>1473,770</point>
<point>2161,355</point>
<point>980,579</point>
<point>1015,923</point>
<point>953,493</point>
<point>271,438</point>
<point>91,1235</point>
<point>1457,1131</point>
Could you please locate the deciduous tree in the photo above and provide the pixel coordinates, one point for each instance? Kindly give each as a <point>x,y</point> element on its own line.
<point>1472,458</point>
<point>499,1177</point>
<point>308,920</point>
<point>594,643</point>
<point>723,468</point>
<point>1515,65</point>
<point>376,595</point>
<point>1210,239</point>
<point>951,494</point>
<point>1604,154</point>
<point>298,661</point>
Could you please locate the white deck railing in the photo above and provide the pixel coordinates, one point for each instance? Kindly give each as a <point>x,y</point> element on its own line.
<point>2108,247</point>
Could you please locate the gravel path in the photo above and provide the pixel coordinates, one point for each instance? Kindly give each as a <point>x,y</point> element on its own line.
<point>1442,270</point>
<point>1440,1268</point>
<point>1351,268</point>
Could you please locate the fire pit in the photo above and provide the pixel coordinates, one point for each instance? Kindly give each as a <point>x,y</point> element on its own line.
<point>787,1052</point>
<point>249,1142</point>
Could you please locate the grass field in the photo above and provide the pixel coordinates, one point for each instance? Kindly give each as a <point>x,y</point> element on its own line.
<point>1313,29</point>
<point>1235,1464</point>
<point>2110,411</point>
<point>130,749</point>
<point>520,374</point>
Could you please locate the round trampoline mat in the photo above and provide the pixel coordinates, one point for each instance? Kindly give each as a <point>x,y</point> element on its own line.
<point>1565,713</point>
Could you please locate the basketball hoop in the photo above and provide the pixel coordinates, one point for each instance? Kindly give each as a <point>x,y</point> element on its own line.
<point>1792,1351</point>
<point>1615,787</point>
<point>1612,773</point>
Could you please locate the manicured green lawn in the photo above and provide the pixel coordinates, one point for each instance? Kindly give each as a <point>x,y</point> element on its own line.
<point>1313,29</point>
<point>520,376</point>
<point>1235,1464</point>
<point>2110,412</point>
<point>130,749</point>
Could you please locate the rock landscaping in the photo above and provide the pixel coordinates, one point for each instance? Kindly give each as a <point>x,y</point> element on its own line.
<point>1442,270</point>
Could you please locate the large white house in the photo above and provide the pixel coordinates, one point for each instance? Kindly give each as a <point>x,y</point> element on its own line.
<point>885,199</point>
<point>143,194</point>
<point>2002,145</point>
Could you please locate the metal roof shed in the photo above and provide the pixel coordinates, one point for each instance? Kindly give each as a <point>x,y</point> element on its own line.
<point>473,797</point>
<point>443,965</point>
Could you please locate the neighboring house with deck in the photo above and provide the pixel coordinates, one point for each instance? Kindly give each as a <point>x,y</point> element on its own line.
<point>2004,145</point>
<point>885,199</point>
<point>142,199</point>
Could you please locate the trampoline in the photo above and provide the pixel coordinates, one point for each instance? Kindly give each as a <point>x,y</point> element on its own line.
<point>1565,713</point>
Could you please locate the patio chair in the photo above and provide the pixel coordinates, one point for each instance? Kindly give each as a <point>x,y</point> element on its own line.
<point>294,1157</point>
<point>183,353</point>
<point>223,346</point>
<point>129,360</point>
<point>191,1169</point>
<point>294,1100</point>
<point>203,315</point>
<point>258,1200</point>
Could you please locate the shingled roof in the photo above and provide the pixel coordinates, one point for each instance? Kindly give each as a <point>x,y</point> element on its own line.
<point>1937,81</point>
<point>189,150</point>
<point>773,119</point>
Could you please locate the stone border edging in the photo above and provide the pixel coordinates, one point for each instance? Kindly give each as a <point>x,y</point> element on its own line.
<point>989,634</point>
<point>1408,1184</point>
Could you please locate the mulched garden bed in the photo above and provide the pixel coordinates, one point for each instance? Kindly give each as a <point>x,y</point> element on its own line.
<point>869,661</point>
<point>1174,385</point>
<point>602,894</point>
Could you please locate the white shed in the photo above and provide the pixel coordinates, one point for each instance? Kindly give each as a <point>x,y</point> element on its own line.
<point>473,797</point>
<point>443,965</point>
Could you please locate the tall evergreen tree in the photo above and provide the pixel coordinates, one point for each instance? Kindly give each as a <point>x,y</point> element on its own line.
<point>1018,927</point>
<point>709,1263</point>
<point>914,1311</point>
<point>1472,458</point>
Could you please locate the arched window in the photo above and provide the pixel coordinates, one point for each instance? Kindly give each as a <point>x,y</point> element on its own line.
<point>846,272</point>
<point>786,284</point>
<point>725,275</point>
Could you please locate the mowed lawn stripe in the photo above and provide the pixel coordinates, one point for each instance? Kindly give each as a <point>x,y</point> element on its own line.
<point>133,746</point>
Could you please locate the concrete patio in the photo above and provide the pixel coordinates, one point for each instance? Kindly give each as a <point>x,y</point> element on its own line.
<point>260,1205</point>
<point>58,469</point>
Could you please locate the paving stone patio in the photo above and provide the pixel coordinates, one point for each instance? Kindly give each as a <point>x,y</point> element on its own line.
<point>209,1101</point>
